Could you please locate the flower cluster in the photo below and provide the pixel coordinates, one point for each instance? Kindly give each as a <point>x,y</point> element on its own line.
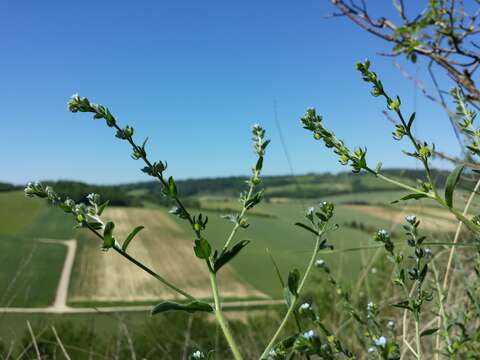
<point>79,104</point>
<point>466,119</point>
<point>378,89</point>
<point>313,122</point>
<point>383,236</point>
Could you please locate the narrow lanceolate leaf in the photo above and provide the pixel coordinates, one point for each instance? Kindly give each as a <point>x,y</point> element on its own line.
<point>108,240</point>
<point>452,181</point>
<point>202,248</point>
<point>172,187</point>
<point>428,332</point>
<point>227,255</point>
<point>194,306</point>
<point>288,296</point>
<point>131,236</point>
<point>102,207</point>
<point>414,196</point>
<point>306,227</point>
<point>410,121</point>
<point>293,279</point>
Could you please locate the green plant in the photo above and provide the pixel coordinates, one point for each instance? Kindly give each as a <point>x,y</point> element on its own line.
<point>89,216</point>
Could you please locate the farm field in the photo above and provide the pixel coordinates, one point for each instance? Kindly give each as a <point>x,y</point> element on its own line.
<point>29,268</point>
<point>163,246</point>
<point>103,278</point>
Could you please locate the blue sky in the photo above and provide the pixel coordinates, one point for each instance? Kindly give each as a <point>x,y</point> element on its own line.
<point>193,76</point>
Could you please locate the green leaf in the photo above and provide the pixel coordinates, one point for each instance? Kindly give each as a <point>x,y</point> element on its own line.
<point>405,304</point>
<point>95,225</point>
<point>414,196</point>
<point>194,306</point>
<point>202,248</point>
<point>102,207</point>
<point>227,255</point>
<point>131,236</point>
<point>288,296</point>
<point>293,278</point>
<point>108,239</point>
<point>452,181</point>
<point>172,187</point>
<point>306,227</point>
<point>428,332</point>
<point>410,121</point>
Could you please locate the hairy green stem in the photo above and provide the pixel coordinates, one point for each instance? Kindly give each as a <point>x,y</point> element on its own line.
<point>475,228</point>
<point>295,300</point>
<point>164,183</point>
<point>221,319</point>
<point>443,314</point>
<point>396,182</point>
<point>417,337</point>
<point>242,214</point>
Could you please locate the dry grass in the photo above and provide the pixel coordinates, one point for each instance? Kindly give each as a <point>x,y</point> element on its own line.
<point>164,247</point>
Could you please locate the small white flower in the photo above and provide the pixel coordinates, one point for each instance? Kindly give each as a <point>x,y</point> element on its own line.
<point>197,354</point>
<point>381,341</point>
<point>411,219</point>
<point>309,334</point>
<point>370,306</point>
<point>374,270</point>
<point>371,350</point>
<point>272,353</point>
<point>320,263</point>
<point>391,324</point>
<point>383,232</point>
<point>305,306</point>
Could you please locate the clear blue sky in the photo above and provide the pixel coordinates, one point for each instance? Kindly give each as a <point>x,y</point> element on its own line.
<point>194,76</point>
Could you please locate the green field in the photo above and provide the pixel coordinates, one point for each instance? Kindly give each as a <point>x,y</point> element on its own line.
<point>30,268</point>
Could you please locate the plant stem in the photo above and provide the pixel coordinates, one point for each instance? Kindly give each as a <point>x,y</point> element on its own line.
<point>417,336</point>
<point>221,320</point>
<point>154,274</point>
<point>242,214</point>
<point>443,314</point>
<point>473,227</point>
<point>145,268</point>
<point>395,182</point>
<point>295,300</point>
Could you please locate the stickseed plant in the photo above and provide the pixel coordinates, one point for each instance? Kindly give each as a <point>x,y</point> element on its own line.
<point>421,151</point>
<point>420,295</point>
<point>89,216</point>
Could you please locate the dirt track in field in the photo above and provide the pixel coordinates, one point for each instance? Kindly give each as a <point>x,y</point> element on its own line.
<point>162,246</point>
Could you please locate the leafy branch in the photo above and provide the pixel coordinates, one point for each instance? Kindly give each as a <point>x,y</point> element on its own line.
<point>422,151</point>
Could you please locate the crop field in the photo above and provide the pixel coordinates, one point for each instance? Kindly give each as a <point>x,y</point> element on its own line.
<point>30,268</point>
<point>162,245</point>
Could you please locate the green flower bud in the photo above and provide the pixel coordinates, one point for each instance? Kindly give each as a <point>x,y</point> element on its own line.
<point>424,152</point>
<point>376,91</point>
<point>394,105</point>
